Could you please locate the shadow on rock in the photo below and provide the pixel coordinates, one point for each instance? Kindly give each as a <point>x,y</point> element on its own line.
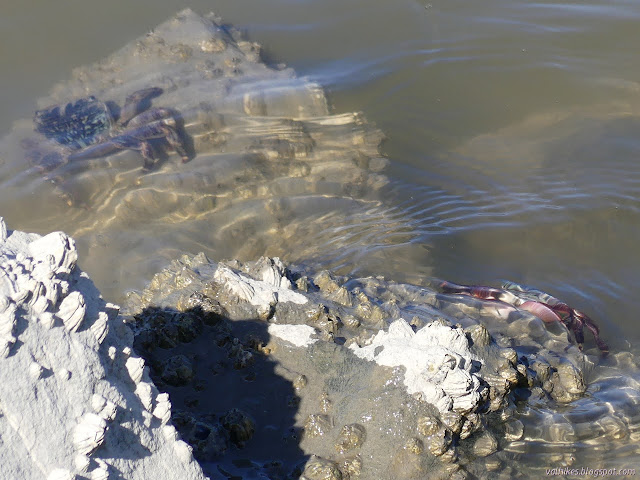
<point>227,400</point>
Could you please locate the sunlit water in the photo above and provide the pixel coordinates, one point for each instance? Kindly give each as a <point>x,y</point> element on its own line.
<point>512,127</point>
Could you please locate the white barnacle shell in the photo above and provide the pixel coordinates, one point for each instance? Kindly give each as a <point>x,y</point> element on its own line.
<point>101,472</point>
<point>3,230</point>
<point>183,451</point>
<point>46,319</point>
<point>112,352</point>
<point>109,411</point>
<point>37,290</point>
<point>58,248</point>
<point>20,296</point>
<point>163,408</point>
<point>63,374</point>
<point>8,319</point>
<point>100,327</point>
<point>135,367</point>
<point>89,433</point>
<point>72,311</point>
<point>5,346</point>
<point>81,463</point>
<point>60,474</point>
<point>98,402</point>
<point>143,391</point>
<point>40,305</point>
<point>234,282</point>
<point>43,272</point>
<point>35,370</point>
<point>4,303</point>
<point>170,433</point>
<point>127,351</point>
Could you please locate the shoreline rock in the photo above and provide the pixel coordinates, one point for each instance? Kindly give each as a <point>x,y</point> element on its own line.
<point>262,369</point>
<point>75,400</point>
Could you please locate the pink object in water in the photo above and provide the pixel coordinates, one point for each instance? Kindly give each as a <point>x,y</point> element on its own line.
<point>541,311</point>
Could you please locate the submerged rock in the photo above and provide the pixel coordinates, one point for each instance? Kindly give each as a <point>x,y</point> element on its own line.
<point>268,165</point>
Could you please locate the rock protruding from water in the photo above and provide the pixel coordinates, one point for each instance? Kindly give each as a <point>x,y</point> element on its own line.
<point>75,400</point>
<point>351,378</point>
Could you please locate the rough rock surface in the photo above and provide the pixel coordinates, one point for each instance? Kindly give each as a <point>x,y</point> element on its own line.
<point>391,380</point>
<point>270,371</point>
<point>75,401</point>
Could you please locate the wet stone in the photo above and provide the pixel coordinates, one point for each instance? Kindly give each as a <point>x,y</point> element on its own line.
<point>239,425</point>
<point>428,426</point>
<point>318,468</point>
<point>351,436</point>
<point>513,430</point>
<point>317,425</point>
<point>177,371</point>
<point>485,445</point>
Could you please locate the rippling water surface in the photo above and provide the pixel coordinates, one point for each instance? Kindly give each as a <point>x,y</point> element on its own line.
<point>512,127</point>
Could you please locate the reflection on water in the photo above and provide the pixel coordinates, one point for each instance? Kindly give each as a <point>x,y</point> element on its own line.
<point>511,132</point>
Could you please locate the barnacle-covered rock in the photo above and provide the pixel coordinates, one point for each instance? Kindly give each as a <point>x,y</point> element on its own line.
<point>63,395</point>
<point>318,468</point>
<point>177,370</point>
<point>351,436</point>
<point>443,385</point>
<point>485,445</point>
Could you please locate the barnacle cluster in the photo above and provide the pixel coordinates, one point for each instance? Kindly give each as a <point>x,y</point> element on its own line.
<point>365,392</point>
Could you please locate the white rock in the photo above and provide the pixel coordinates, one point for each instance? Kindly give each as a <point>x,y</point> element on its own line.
<point>299,335</point>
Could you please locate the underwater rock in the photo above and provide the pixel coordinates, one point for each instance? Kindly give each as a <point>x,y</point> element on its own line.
<point>267,163</point>
<point>69,409</point>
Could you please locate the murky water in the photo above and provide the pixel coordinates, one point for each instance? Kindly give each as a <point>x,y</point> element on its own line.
<point>512,129</point>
